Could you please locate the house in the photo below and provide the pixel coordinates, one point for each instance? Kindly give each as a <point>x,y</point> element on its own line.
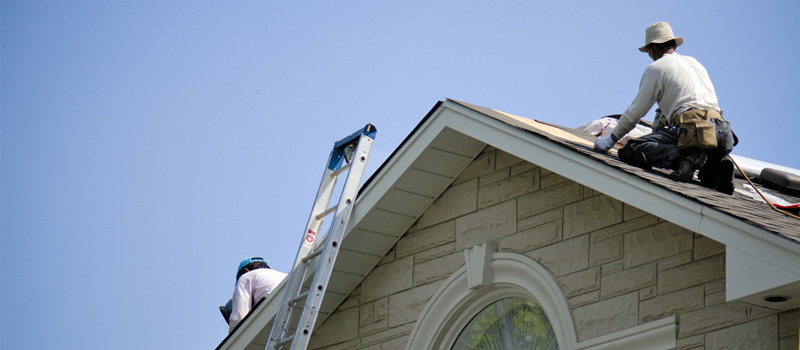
<point>482,221</point>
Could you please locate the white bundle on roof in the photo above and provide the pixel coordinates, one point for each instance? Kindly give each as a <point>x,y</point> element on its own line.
<point>604,126</point>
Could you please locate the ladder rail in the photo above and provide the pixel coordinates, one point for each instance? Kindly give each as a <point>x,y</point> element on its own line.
<point>348,155</point>
<point>325,264</point>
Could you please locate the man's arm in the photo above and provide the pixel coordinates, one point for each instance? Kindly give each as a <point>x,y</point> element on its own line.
<point>241,302</point>
<point>645,99</point>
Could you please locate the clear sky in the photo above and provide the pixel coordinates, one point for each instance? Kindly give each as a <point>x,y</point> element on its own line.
<point>149,146</point>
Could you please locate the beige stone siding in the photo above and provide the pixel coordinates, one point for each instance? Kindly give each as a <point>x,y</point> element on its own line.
<point>617,265</point>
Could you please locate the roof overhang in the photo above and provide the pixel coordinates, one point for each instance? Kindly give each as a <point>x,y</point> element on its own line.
<point>450,137</point>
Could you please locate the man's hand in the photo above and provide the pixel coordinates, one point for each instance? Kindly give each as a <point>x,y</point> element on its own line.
<point>603,144</point>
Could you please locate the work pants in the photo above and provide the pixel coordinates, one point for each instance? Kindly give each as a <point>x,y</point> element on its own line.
<point>660,148</point>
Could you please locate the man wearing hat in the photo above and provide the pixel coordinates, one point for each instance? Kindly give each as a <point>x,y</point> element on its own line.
<point>254,281</point>
<point>688,131</point>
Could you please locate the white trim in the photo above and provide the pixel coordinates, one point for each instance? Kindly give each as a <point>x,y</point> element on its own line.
<point>478,261</point>
<point>454,304</point>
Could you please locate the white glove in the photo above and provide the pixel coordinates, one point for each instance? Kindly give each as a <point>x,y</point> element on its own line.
<point>603,144</point>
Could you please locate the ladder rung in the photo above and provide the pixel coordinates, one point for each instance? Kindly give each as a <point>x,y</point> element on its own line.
<point>312,255</point>
<point>284,341</point>
<point>326,212</point>
<point>341,170</point>
<point>301,296</point>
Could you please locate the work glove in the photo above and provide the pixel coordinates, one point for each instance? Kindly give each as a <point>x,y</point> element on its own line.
<point>603,144</point>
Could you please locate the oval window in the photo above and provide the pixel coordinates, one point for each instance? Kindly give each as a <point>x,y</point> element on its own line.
<point>508,324</point>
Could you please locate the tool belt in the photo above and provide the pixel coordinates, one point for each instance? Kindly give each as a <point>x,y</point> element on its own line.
<point>697,130</point>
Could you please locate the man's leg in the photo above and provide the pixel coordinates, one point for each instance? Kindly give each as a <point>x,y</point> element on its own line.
<point>658,149</point>
<point>718,172</point>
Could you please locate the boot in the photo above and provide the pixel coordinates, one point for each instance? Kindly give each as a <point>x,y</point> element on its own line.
<point>724,172</point>
<point>688,165</point>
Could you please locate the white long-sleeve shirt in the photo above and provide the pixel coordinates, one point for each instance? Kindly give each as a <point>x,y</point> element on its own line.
<point>250,288</point>
<point>677,83</point>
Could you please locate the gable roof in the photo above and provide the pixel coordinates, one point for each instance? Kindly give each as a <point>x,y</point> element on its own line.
<point>762,246</point>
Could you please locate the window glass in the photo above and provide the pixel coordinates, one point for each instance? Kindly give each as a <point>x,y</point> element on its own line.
<point>508,324</point>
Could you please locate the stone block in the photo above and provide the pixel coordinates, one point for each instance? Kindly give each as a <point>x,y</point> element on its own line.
<point>540,219</point>
<point>550,180</point>
<point>690,275</point>
<point>712,318</point>
<point>388,334</point>
<point>705,247</point>
<point>532,238</point>
<point>381,309</point>
<point>398,343</point>
<point>690,342</point>
<point>388,279</point>
<point>584,299</point>
<point>715,286</point>
<point>630,212</point>
<point>580,282</point>
<point>507,188</point>
<point>789,343</point>
<point>405,307</point>
<point>524,167</point>
<point>715,298</point>
<point>670,304</point>
<point>547,199</point>
<point>341,326</point>
<point>655,243</point>
<point>591,214</point>
<point>505,159</point>
<point>482,165</point>
<point>624,227</point>
<point>628,280</point>
<point>493,177</point>
<point>436,252</point>
<point>674,261</point>
<point>438,268</point>
<point>790,323</point>
<point>565,257</point>
<point>612,267</point>
<point>367,314</point>
<point>373,327</point>
<point>350,344</point>
<point>485,225</point>
<point>455,201</point>
<point>606,251</point>
<point>606,316</point>
<point>426,238</point>
<point>758,334</point>
<point>648,293</point>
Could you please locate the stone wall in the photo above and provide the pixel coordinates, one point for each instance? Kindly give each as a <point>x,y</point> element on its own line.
<point>618,266</point>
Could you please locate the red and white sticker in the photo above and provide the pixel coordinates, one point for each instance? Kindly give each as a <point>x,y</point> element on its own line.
<point>309,241</point>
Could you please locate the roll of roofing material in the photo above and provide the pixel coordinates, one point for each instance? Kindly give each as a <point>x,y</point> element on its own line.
<point>782,181</point>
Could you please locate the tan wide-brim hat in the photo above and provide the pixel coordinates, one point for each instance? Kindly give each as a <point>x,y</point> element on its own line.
<point>659,33</point>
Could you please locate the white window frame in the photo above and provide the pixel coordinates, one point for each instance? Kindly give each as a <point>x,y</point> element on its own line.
<point>488,276</point>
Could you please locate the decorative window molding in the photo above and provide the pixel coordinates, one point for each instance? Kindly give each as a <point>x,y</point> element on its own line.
<point>488,276</point>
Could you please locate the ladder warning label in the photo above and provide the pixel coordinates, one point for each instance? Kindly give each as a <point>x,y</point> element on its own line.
<point>309,241</point>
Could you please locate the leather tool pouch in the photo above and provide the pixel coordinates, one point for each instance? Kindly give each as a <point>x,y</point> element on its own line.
<point>697,129</point>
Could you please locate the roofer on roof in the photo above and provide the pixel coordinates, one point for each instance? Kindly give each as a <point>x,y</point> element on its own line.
<point>254,281</point>
<point>688,131</point>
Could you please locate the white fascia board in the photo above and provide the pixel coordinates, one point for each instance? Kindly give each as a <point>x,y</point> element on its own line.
<point>625,187</point>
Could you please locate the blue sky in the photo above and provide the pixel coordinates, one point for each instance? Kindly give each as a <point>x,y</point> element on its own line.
<point>149,146</point>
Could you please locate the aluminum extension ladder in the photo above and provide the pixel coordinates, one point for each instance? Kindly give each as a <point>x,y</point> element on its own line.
<point>348,155</point>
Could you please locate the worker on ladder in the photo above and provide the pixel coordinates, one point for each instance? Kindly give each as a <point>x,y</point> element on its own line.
<point>254,281</point>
